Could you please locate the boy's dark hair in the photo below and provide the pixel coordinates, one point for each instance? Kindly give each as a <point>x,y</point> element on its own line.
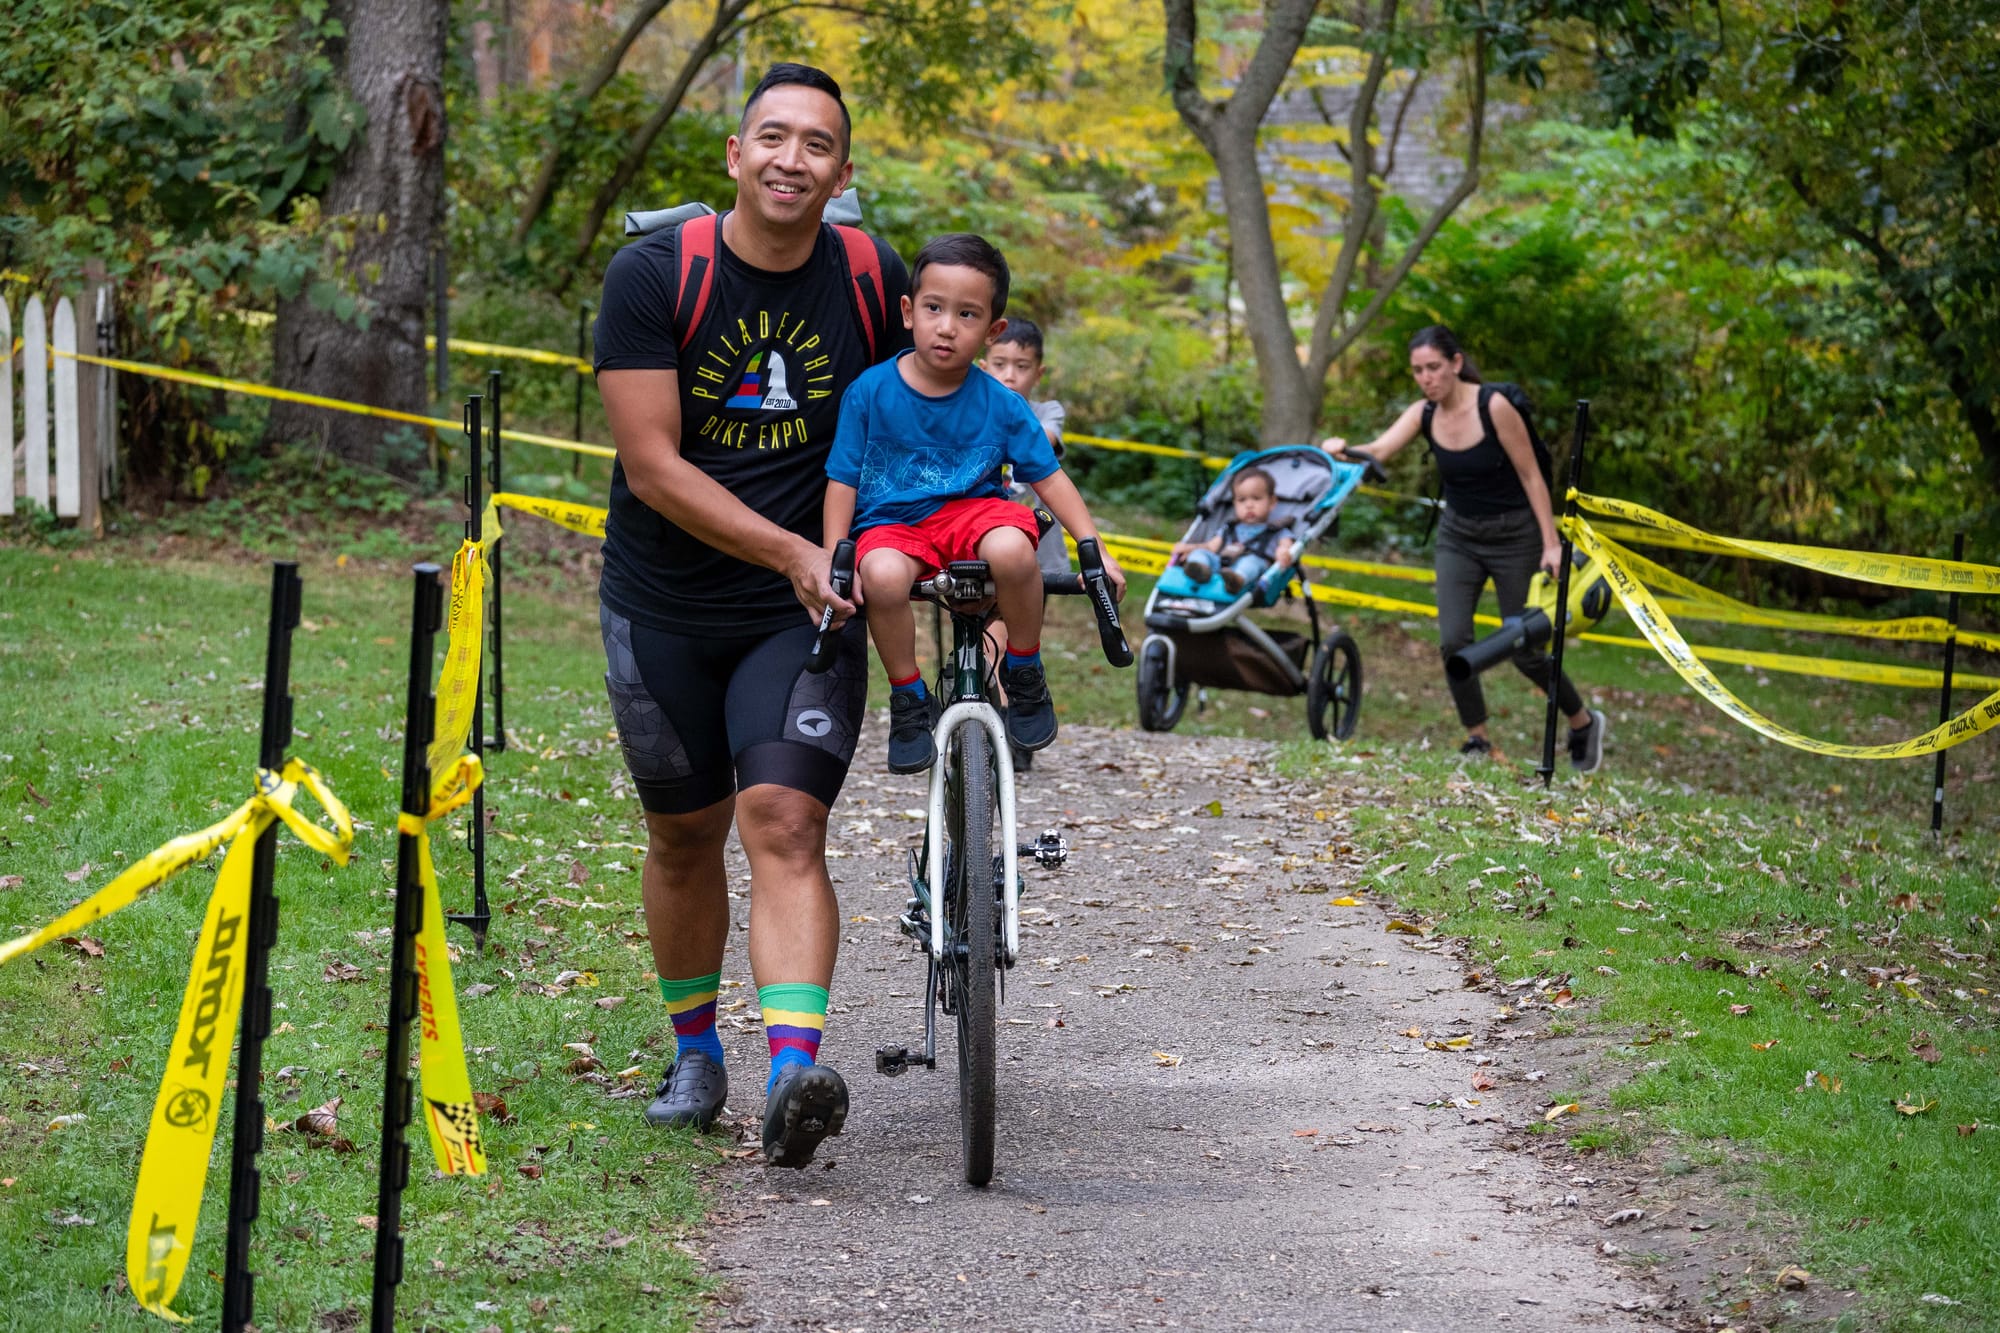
<point>805,76</point>
<point>1248,473</point>
<point>961,249</point>
<point>1025,332</point>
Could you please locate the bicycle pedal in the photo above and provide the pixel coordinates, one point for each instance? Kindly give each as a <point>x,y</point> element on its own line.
<point>1049,850</point>
<point>892,1060</point>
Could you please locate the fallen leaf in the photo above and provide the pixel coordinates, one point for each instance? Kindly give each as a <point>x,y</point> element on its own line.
<point>531,1170</point>
<point>1562,999</point>
<point>10,881</point>
<point>1337,902</point>
<point>65,1121</point>
<point>1917,1106</point>
<point>1165,1060</point>
<point>79,874</point>
<point>39,799</point>
<point>572,977</point>
<point>1457,1043</point>
<point>1483,1081</point>
<point>1416,1033</point>
<point>1398,926</point>
<point>1793,1278</point>
<point>1214,808</point>
<point>1624,1215</point>
<point>1739,1009</point>
<point>1558,1112</point>
<point>1927,1053</point>
<point>1967,1131</point>
<point>84,945</point>
<point>609,1002</point>
<point>338,971</point>
<point>1763,1045</point>
<point>366,1221</point>
<point>478,989</point>
<point>493,1105</point>
<point>579,873</point>
<point>1305,1133</point>
<point>322,1120</point>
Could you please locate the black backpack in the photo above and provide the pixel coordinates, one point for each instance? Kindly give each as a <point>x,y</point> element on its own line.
<point>1523,404</point>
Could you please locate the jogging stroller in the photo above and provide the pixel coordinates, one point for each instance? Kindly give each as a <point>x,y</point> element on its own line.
<point>1202,635</point>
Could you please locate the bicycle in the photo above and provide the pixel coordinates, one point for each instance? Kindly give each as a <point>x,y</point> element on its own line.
<point>964,905</point>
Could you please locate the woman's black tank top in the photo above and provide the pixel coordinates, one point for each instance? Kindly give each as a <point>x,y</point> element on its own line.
<point>1479,481</point>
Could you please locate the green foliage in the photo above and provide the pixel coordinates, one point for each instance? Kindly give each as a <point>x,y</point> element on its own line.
<point>1739,374</point>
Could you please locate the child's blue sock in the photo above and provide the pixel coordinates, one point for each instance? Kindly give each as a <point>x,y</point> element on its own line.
<point>914,685</point>
<point>1028,657</point>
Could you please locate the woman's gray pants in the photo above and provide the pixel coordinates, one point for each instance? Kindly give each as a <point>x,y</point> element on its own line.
<point>1505,548</point>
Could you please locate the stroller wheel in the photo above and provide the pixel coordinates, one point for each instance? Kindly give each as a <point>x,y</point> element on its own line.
<point>1161,700</point>
<point>1333,695</point>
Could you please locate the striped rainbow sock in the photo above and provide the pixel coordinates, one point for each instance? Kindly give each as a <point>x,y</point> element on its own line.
<point>794,1020</point>
<point>691,1006</point>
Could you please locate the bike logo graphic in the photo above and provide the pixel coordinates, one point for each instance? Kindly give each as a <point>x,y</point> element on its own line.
<point>813,723</point>
<point>187,1108</point>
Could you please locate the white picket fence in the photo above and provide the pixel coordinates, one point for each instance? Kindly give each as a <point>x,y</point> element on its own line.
<point>68,423</point>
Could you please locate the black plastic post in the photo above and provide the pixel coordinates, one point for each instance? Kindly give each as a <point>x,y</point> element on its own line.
<point>420,723</point>
<point>1944,700</point>
<point>497,742</point>
<point>582,350</point>
<point>247,1139</point>
<point>1575,482</point>
<point>480,916</point>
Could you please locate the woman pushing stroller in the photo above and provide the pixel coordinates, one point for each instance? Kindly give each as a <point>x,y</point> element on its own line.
<point>1498,523</point>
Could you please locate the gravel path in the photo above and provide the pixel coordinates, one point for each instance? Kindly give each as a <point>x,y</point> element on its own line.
<point>1210,1114</point>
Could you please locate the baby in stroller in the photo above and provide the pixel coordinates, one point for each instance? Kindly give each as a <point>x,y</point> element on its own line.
<point>1242,554</point>
<point>1246,546</point>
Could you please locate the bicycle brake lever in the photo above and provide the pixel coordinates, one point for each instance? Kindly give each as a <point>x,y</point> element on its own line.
<point>841,577</point>
<point>1090,560</point>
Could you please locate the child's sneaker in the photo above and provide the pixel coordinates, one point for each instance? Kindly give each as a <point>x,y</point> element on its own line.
<point>1031,712</point>
<point>1232,581</point>
<point>911,718</point>
<point>1586,744</point>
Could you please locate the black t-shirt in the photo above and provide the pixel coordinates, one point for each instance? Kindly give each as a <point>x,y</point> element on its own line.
<point>760,386</point>
<point>1479,481</point>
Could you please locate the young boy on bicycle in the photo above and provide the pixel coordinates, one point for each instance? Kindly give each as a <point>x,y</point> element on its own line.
<point>915,477</point>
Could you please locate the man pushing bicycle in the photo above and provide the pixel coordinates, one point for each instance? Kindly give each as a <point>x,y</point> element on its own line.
<point>724,347</point>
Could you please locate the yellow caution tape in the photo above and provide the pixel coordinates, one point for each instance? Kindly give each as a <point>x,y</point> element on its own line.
<point>331,404</point>
<point>458,682</point>
<point>173,1169</point>
<point>587,519</point>
<point>261,318</point>
<point>1407,573</point>
<point>1660,631</point>
<point>450,1115</point>
<point>1894,571</point>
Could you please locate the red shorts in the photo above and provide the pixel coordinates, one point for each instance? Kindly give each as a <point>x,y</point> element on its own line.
<point>952,533</point>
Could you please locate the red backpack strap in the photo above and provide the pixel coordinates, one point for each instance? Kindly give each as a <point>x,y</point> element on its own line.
<point>695,245</point>
<point>864,271</point>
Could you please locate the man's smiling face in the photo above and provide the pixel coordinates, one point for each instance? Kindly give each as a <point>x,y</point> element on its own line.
<point>790,157</point>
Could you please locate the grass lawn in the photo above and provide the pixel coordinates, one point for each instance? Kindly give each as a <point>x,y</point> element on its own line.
<point>1704,868</point>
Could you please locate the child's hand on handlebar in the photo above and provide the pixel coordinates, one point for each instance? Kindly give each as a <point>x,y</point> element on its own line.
<point>1115,576</point>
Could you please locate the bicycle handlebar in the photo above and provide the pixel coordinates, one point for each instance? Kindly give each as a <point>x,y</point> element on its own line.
<point>1090,559</point>
<point>842,578</point>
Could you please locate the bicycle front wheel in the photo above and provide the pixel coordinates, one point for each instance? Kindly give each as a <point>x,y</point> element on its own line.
<point>972,908</point>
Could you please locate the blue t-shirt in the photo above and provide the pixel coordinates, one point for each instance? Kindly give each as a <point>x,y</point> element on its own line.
<point>906,453</point>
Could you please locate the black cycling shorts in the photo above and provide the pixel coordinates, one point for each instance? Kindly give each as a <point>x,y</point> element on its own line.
<point>701,716</point>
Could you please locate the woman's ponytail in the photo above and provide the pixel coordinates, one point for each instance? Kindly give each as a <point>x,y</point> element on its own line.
<point>1446,343</point>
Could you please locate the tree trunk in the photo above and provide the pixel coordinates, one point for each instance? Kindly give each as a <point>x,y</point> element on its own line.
<point>382,214</point>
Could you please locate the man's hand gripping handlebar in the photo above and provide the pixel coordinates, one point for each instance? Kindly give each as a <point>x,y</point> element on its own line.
<point>841,576</point>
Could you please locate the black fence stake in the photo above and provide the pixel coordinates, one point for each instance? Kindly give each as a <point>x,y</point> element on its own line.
<point>582,352</point>
<point>1944,700</point>
<point>419,724</point>
<point>497,742</point>
<point>247,1138</point>
<point>1548,766</point>
<point>475,838</point>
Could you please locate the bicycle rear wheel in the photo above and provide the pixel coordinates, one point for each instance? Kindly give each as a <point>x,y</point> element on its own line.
<point>969,830</point>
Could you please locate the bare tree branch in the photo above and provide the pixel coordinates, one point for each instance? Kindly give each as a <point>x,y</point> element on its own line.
<point>1396,133</point>
<point>1325,346</point>
<point>544,186</point>
<point>1183,81</point>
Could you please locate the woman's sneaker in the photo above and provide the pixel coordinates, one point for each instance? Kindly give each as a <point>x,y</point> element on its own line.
<point>1476,747</point>
<point>808,1103</point>
<point>1031,712</point>
<point>692,1093</point>
<point>911,717</point>
<point>1586,744</point>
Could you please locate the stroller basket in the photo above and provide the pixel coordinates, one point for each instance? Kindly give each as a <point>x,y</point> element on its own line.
<point>1228,660</point>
